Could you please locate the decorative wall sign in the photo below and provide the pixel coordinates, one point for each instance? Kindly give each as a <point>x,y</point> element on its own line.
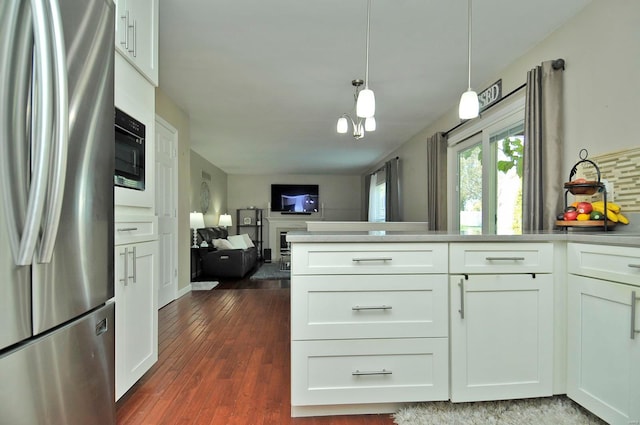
<point>490,95</point>
<point>205,197</point>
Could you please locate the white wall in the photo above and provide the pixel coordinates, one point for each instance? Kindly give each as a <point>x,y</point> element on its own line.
<point>601,47</point>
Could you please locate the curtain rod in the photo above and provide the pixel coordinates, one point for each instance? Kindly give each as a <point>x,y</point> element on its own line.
<point>556,64</point>
<point>379,169</point>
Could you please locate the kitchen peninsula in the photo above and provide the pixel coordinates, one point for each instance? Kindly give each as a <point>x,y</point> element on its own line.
<point>383,318</point>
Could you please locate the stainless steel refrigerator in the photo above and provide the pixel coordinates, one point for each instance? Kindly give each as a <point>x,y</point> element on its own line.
<point>56,221</point>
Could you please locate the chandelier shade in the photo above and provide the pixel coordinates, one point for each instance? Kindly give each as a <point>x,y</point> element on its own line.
<point>370,124</point>
<point>366,105</point>
<point>469,106</point>
<point>343,125</point>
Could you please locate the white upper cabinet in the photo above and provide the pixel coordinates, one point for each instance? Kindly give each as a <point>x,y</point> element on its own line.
<point>137,35</point>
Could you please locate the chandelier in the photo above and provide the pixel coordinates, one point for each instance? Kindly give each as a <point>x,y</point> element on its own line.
<point>360,124</point>
<point>365,101</point>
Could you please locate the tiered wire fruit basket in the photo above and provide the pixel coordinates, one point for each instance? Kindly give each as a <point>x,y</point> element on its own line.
<point>587,187</point>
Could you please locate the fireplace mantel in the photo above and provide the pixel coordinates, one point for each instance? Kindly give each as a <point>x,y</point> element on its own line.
<point>284,224</point>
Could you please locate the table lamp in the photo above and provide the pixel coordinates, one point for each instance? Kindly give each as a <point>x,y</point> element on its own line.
<point>225,220</point>
<point>196,221</point>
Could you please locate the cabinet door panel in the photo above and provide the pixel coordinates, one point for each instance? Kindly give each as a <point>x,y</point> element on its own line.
<point>136,313</point>
<point>501,337</point>
<point>603,374</point>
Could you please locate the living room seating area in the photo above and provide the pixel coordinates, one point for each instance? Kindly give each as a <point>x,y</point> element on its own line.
<point>225,256</point>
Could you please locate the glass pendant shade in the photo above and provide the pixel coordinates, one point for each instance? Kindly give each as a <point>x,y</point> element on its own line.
<point>342,126</point>
<point>469,106</point>
<point>366,104</point>
<point>370,124</point>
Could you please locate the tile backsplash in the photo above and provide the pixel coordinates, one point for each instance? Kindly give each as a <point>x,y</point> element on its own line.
<point>620,169</point>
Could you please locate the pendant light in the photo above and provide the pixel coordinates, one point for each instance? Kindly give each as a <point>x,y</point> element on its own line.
<point>366,105</point>
<point>469,105</point>
<point>359,125</point>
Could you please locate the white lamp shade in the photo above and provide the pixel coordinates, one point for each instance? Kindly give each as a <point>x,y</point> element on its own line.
<point>342,126</point>
<point>469,105</point>
<point>370,124</point>
<point>196,220</point>
<point>225,220</point>
<point>366,104</point>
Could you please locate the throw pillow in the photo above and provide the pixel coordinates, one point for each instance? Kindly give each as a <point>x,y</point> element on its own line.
<point>222,244</point>
<point>247,240</point>
<point>237,241</point>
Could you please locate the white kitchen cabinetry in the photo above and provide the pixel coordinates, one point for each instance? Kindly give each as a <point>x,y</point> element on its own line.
<point>603,373</point>
<point>368,326</point>
<point>137,35</point>
<point>136,96</point>
<point>136,331</point>
<point>501,297</point>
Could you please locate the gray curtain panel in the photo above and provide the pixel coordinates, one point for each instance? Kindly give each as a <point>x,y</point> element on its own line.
<point>367,188</point>
<point>543,153</point>
<point>437,182</point>
<point>392,185</point>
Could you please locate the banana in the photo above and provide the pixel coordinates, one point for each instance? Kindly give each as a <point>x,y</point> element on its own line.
<point>622,219</point>
<point>610,214</point>
<point>610,206</point>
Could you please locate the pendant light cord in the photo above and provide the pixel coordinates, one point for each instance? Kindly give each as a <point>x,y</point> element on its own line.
<point>469,45</point>
<point>366,71</point>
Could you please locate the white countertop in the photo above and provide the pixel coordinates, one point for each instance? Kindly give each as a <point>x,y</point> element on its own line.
<point>609,238</point>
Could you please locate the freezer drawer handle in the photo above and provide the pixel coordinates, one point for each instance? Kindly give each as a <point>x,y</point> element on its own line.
<point>371,372</point>
<point>634,266</point>
<point>504,258</point>
<point>357,260</point>
<point>371,307</point>
<point>102,327</point>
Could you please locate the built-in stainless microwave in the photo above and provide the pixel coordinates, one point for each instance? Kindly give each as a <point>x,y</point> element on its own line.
<point>130,136</point>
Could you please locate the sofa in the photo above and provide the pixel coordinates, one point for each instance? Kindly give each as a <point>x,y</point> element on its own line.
<point>225,256</point>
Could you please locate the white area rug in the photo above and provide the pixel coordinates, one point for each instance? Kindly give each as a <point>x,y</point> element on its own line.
<point>203,286</point>
<point>557,410</point>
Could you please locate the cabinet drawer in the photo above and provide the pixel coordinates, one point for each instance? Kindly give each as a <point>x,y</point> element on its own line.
<point>616,263</point>
<point>133,229</point>
<point>368,258</point>
<point>363,306</point>
<point>369,371</point>
<point>501,258</point>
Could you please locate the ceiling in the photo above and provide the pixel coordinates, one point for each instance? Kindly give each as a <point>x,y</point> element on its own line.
<point>264,82</point>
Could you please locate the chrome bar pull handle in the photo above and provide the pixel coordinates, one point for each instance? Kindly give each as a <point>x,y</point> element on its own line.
<point>125,18</point>
<point>371,307</point>
<point>634,266</point>
<point>133,264</point>
<point>135,39</point>
<point>127,229</point>
<point>360,259</point>
<point>504,258</point>
<point>371,372</point>
<point>125,279</point>
<point>634,300</point>
<point>461,311</point>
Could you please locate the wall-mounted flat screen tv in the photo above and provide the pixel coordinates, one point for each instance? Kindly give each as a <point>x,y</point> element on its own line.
<point>295,198</point>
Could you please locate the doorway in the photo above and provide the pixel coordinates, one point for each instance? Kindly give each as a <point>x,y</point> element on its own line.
<point>167,210</point>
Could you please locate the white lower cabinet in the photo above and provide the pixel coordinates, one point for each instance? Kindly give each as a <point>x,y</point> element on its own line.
<point>501,309</point>
<point>370,329</point>
<point>603,366</point>
<point>136,297</point>
<point>501,337</point>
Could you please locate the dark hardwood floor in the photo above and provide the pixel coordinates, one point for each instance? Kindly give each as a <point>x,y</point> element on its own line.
<point>224,358</point>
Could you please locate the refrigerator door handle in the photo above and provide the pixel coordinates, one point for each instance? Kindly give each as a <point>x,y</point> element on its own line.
<point>58,162</point>
<point>23,242</point>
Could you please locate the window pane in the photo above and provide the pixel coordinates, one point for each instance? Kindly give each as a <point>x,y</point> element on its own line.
<point>470,190</point>
<point>508,145</point>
